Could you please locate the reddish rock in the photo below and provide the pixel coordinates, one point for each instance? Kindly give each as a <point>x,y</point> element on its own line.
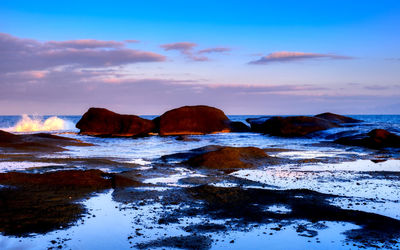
<point>41,142</point>
<point>292,126</point>
<point>193,120</point>
<point>229,158</point>
<point>337,118</point>
<point>103,122</point>
<point>376,139</point>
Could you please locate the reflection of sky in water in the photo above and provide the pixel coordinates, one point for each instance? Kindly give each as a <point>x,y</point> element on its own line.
<point>360,180</point>
<point>111,223</point>
<point>6,166</point>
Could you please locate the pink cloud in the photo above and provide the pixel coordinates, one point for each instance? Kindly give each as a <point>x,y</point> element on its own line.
<point>26,54</point>
<point>214,50</point>
<point>132,41</point>
<point>85,44</point>
<point>183,47</point>
<point>286,56</point>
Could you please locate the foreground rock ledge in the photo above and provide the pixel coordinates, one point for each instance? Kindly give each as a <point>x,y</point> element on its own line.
<point>103,122</point>
<point>40,203</point>
<point>41,142</point>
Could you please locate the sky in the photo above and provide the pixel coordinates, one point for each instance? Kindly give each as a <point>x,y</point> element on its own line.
<point>244,57</point>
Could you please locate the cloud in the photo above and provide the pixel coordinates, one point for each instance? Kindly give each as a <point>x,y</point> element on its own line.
<point>72,91</point>
<point>132,41</point>
<point>19,54</point>
<point>214,50</point>
<point>285,56</point>
<point>84,44</point>
<point>183,47</point>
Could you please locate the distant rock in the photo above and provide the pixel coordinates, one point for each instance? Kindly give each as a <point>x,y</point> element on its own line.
<point>375,139</point>
<point>337,118</point>
<point>103,122</point>
<point>229,158</point>
<point>192,120</point>
<point>291,126</point>
<point>238,127</point>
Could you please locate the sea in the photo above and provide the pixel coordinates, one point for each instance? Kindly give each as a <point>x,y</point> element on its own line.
<point>347,176</point>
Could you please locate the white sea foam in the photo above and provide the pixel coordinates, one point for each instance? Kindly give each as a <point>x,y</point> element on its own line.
<point>34,124</point>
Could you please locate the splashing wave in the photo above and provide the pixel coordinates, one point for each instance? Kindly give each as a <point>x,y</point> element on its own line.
<point>33,124</point>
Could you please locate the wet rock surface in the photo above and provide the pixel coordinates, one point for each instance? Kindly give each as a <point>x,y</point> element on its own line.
<point>40,203</point>
<point>230,158</point>
<point>103,122</point>
<point>375,139</point>
<point>40,142</point>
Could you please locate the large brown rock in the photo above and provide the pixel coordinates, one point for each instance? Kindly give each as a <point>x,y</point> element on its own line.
<point>229,158</point>
<point>103,122</point>
<point>292,126</point>
<point>375,139</point>
<point>193,120</point>
<point>337,118</point>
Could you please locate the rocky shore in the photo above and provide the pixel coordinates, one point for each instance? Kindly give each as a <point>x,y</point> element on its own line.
<point>39,201</point>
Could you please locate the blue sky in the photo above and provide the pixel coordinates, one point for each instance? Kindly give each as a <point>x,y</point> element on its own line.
<point>253,57</point>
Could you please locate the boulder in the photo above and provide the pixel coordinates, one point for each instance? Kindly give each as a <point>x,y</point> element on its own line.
<point>337,118</point>
<point>229,158</point>
<point>292,126</point>
<point>103,122</point>
<point>375,139</point>
<point>192,120</point>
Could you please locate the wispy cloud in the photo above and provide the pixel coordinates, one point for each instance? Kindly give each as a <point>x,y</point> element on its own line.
<point>184,47</point>
<point>214,50</point>
<point>188,49</point>
<point>19,54</point>
<point>286,56</point>
<point>132,41</point>
<point>84,44</point>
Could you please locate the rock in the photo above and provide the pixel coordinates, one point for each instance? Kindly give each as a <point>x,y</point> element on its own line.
<point>256,123</point>
<point>375,139</point>
<point>229,158</point>
<point>193,120</point>
<point>41,142</point>
<point>239,127</point>
<point>103,122</point>
<point>292,126</point>
<point>92,179</point>
<point>40,203</point>
<point>337,118</point>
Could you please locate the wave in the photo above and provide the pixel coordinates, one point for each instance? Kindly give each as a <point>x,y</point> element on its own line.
<point>35,124</point>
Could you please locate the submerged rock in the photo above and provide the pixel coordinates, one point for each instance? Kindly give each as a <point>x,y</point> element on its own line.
<point>337,118</point>
<point>291,126</point>
<point>192,120</point>
<point>375,139</point>
<point>229,158</point>
<point>103,122</point>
